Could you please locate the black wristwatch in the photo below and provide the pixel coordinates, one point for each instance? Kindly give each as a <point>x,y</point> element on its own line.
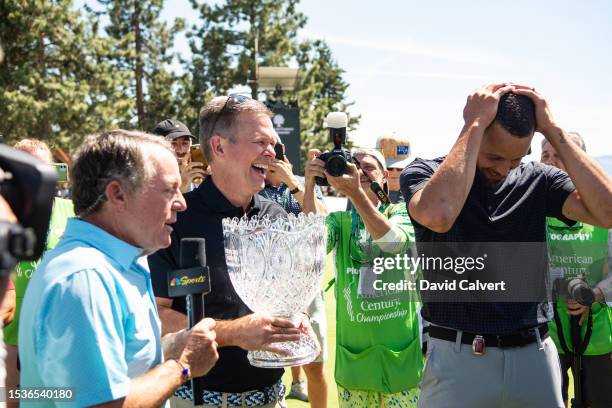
<point>296,189</point>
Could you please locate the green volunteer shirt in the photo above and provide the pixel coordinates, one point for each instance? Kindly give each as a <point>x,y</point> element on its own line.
<point>377,340</point>
<point>62,210</point>
<point>580,251</point>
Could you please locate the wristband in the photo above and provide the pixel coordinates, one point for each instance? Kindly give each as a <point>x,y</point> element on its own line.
<point>295,190</point>
<point>185,372</point>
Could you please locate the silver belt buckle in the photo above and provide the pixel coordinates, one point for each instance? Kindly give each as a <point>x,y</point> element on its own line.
<point>478,345</point>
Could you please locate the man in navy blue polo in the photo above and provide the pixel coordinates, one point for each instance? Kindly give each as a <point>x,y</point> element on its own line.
<point>237,138</point>
<point>481,193</point>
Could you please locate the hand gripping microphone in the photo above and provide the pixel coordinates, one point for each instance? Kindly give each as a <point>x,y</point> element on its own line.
<point>192,280</point>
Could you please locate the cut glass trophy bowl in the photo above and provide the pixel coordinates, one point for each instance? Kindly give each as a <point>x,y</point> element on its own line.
<point>276,267</point>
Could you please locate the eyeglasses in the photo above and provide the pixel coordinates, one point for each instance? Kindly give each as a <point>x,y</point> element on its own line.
<point>236,99</point>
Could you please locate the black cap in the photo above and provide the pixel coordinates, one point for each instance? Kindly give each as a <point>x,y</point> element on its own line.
<point>172,129</point>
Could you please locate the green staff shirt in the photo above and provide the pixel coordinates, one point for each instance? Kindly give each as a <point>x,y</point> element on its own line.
<point>580,251</point>
<point>377,341</point>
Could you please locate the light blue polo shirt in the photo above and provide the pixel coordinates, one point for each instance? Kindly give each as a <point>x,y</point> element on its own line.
<point>89,320</point>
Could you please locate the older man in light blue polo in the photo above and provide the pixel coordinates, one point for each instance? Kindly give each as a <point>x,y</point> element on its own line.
<point>89,321</point>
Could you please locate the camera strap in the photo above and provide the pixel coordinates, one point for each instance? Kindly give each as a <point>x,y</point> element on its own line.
<point>578,348</point>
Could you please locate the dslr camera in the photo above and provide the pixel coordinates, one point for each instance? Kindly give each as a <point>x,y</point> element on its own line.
<point>28,186</point>
<point>336,159</point>
<point>575,288</point>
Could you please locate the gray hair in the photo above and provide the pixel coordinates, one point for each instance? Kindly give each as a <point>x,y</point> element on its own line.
<point>117,155</point>
<point>222,114</point>
<point>575,137</point>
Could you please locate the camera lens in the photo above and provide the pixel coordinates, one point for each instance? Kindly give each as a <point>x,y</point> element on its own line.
<point>581,292</point>
<point>335,165</point>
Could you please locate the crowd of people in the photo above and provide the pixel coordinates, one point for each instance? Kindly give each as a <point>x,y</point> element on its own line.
<point>95,315</point>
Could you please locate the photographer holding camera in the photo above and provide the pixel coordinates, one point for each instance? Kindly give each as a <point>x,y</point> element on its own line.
<point>587,349</point>
<point>378,354</point>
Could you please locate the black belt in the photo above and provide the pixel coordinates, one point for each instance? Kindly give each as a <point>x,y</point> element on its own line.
<point>519,339</point>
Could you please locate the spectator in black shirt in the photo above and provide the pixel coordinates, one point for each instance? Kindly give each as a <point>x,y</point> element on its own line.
<point>481,192</point>
<point>237,138</point>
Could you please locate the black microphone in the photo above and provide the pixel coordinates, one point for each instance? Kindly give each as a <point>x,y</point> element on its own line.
<point>192,280</point>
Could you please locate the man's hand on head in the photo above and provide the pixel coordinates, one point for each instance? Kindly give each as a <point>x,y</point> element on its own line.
<point>481,106</point>
<point>545,124</point>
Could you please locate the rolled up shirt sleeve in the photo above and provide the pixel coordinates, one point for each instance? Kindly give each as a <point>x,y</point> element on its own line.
<point>415,176</point>
<point>401,235</point>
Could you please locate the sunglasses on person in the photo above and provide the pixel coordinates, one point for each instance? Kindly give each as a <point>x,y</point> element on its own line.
<point>236,99</point>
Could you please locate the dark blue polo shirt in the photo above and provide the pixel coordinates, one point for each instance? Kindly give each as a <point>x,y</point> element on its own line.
<point>206,207</point>
<point>514,212</point>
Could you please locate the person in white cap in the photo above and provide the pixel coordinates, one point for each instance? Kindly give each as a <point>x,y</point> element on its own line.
<point>396,151</point>
<point>378,350</point>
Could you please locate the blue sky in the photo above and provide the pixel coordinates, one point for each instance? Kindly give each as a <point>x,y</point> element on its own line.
<point>411,65</point>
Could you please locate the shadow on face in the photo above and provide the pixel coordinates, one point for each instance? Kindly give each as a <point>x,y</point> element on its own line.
<point>499,153</point>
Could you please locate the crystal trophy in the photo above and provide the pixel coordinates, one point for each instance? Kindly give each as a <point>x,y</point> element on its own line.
<point>276,267</point>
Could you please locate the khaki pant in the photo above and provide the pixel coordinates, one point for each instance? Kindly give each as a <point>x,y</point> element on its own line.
<point>515,377</point>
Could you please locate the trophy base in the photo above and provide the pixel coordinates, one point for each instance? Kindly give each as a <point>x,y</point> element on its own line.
<point>301,352</point>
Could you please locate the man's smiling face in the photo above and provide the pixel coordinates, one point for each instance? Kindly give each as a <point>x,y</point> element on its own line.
<point>251,152</point>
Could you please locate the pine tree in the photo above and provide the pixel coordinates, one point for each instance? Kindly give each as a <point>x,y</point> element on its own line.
<point>56,79</point>
<point>143,45</point>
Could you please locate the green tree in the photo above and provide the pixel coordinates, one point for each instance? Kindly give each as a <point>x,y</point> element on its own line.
<point>143,44</point>
<point>56,79</point>
<point>224,45</point>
